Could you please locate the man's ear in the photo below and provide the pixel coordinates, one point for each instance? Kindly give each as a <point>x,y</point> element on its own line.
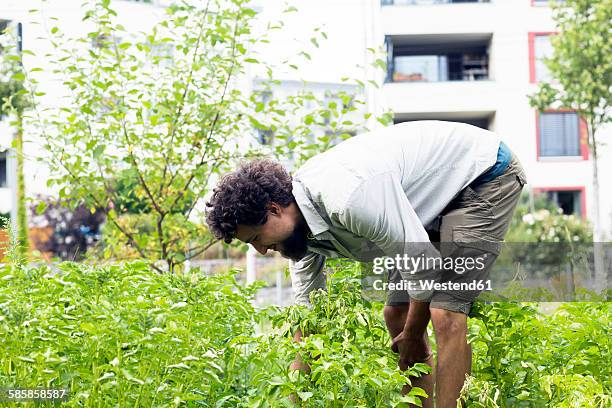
<point>274,209</point>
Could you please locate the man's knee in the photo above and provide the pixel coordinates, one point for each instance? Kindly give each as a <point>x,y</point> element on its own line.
<point>448,325</point>
<point>393,313</point>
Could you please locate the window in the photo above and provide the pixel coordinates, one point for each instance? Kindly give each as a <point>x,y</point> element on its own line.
<point>3,176</point>
<point>420,68</point>
<point>570,201</point>
<point>437,58</point>
<point>559,134</point>
<point>542,48</point>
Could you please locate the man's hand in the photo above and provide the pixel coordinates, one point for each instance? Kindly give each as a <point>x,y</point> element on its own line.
<point>411,350</point>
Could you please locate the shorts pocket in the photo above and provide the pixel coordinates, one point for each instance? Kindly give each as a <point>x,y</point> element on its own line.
<point>476,241</point>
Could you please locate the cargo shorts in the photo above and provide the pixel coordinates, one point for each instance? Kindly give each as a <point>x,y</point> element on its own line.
<point>472,225</point>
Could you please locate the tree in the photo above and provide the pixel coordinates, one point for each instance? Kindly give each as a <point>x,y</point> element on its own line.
<point>581,69</point>
<point>13,101</point>
<point>163,114</point>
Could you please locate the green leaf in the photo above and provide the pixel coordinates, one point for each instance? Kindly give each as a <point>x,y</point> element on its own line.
<point>98,151</point>
<point>40,208</point>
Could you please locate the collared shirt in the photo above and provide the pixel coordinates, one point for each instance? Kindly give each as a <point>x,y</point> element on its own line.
<point>375,193</point>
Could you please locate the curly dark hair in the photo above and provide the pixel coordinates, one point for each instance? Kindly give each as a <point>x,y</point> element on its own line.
<point>242,197</point>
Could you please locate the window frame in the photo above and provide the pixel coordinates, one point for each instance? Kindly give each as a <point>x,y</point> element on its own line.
<point>582,135</point>
<point>532,59</point>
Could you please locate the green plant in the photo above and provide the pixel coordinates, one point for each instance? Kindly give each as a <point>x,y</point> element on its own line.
<point>124,335</point>
<point>347,349</point>
<point>162,115</point>
<point>14,102</point>
<point>523,358</point>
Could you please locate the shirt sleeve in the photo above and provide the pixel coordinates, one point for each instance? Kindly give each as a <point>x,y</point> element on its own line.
<point>306,276</point>
<point>379,211</point>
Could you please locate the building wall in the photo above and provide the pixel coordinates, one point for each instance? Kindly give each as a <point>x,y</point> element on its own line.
<point>504,95</point>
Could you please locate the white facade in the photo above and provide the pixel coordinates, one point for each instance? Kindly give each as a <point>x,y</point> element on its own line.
<point>503,27</point>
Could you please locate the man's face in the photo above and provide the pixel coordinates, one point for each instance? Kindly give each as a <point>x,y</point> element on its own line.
<point>284,231</point>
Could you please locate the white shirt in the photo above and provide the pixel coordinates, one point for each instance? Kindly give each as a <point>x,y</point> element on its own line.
<point>374,194</point>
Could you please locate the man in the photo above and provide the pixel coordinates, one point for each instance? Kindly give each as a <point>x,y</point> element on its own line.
<point>390,192</point>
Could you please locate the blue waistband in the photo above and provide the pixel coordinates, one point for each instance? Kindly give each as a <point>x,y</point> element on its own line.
<point>504,155</point>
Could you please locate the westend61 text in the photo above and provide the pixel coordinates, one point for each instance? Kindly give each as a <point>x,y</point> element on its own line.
<point>428,285</point>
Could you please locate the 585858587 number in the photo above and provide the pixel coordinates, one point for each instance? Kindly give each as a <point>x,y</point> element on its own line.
<point>32,394</point>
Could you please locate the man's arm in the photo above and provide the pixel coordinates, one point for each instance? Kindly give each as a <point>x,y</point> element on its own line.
<point>306,276</point>
<point>380,212</point>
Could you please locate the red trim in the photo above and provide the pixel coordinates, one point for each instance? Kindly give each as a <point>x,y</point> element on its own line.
<point>584,139</point>
<point>531,57</point>
<point>582,189</point>
<point>537,134</point>
<point>583,133</point>
<point>531,44</point>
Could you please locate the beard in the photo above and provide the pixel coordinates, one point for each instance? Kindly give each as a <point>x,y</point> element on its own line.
<point>295,246</point>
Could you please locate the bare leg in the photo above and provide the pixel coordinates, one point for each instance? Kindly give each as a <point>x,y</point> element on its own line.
<point>395,318</point>
<point>454,355</point>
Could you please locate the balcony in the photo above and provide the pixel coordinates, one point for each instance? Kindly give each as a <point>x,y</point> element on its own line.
<point>437,58</point>
<point>416,100</point>
<point>448,18</point>
<point>426,2</point>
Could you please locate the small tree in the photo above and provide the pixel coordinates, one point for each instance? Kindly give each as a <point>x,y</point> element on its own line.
<point>164,110</point>
<point>581,69</point>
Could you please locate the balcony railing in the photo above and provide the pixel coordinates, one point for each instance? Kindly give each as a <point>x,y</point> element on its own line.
<point>427,2</point>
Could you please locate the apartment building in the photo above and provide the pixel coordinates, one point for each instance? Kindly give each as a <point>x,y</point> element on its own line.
<point>475,61</point>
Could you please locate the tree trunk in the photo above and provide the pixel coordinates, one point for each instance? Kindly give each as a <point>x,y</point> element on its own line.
<point>600,272</point>
<point>22,216</point>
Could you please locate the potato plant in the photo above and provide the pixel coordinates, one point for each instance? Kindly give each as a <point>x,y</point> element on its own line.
<point>124,335</point>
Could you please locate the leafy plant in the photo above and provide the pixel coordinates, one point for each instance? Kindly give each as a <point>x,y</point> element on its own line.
<point>523,358</point>
<point>347,349</point>
<point>14,102</point>
<point>124,335</point>
<point>162,114</point>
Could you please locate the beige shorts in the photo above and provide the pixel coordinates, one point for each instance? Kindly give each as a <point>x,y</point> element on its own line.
<point>473,224</point>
